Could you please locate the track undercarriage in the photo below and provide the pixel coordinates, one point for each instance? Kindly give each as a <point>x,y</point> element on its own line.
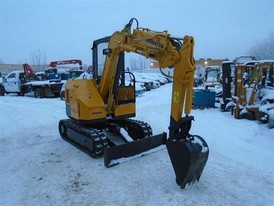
<point>112,139</point>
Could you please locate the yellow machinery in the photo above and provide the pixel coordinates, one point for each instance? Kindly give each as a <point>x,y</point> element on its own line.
<point>246,104</point>
<point>100,109</point>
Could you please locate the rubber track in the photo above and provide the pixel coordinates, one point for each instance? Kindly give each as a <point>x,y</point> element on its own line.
<point>144,128</point>
<point>95,135</point>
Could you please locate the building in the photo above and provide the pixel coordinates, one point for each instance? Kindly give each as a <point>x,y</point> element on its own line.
<point>210,62</point>
<point>203,62</point>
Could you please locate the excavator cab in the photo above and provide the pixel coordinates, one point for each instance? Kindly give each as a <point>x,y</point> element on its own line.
<point>123,92</point>
<point>100,110</point>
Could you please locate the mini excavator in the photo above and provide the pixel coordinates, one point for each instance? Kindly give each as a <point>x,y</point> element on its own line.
<point>101,109</point>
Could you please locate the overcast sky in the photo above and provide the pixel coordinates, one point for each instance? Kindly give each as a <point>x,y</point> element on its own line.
<point>65,29</point>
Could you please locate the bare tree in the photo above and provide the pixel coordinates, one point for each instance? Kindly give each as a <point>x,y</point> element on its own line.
<point>264,49</point>
<point>38,58</point>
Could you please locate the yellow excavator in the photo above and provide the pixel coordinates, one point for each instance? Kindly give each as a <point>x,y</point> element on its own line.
<point>101,109</point>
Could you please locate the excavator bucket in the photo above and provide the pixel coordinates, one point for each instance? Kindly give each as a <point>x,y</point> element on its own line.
<point>188,155</point>
<point>114,155</point>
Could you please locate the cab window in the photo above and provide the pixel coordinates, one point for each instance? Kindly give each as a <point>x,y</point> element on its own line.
<point>21,75</point>
<point>12,75</point>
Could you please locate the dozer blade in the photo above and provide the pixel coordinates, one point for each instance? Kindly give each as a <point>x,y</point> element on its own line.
<point>188,157</point>
<point>112,154</point>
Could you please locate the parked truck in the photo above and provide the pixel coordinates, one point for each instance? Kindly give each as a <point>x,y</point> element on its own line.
<point>25,81</point>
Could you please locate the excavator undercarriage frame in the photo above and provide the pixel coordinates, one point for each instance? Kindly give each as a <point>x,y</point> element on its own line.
<point>106,139</point>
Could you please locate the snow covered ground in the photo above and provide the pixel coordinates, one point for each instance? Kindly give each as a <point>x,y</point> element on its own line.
<point>38,168</point>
